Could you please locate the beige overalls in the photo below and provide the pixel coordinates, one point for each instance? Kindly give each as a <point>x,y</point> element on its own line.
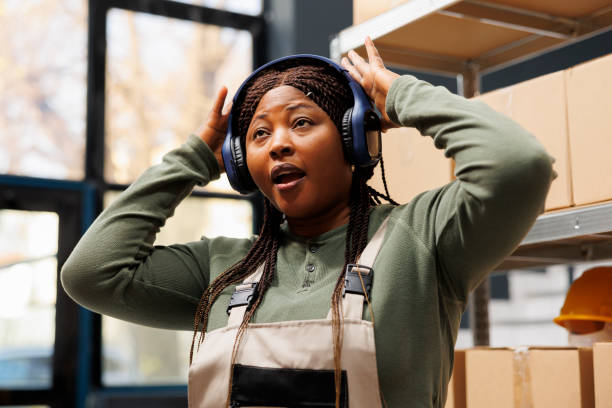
<point>291,364</point>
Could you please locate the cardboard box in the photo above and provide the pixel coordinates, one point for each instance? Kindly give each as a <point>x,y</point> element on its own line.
<point>366,9</point>
<point>455,397</point>
<point>539,105</point>
<point>534,377</point>
<point>589,101</point>
<point>561,377</point>
<point>489,378</point>
<point>412,165</point>
<point>602,368</point>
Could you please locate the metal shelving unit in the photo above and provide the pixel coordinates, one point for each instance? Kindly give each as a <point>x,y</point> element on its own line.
<point>469,38</point>
<point>569,236</point>
<point>455,36</point>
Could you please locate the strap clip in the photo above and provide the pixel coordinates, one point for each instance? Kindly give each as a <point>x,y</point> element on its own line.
<point>243,295</point>
<point>352,279</point>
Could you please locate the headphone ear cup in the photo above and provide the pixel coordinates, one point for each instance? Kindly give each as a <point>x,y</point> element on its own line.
<point>372,130</point>
<point>242,171</point>
<point>347,135</point>
<point>237,153</point>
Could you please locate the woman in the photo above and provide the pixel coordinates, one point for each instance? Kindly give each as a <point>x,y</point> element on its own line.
<point>319,219</point>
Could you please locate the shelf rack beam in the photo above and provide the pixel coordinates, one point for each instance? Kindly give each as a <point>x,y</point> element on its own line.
<point>479,299</point>
<point>518,19</point>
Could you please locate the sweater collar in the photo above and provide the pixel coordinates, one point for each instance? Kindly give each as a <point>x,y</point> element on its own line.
<point>330,235</point>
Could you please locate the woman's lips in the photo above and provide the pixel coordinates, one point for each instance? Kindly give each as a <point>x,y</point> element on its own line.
<point>286,176</point>
<point>289,184</point>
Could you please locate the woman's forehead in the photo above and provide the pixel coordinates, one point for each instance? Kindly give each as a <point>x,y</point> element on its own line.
<point>284,97</point>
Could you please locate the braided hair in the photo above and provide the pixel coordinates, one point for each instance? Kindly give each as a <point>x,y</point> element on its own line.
<point>331,92</point>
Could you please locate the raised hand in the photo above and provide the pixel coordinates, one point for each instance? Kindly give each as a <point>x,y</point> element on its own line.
<point>214,128</point>
<point>373,77</point>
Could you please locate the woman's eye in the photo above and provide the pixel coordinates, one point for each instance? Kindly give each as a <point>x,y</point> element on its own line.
<point>301,122</point>
<point>258,133</point>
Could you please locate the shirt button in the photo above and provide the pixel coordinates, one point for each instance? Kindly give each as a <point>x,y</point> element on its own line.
<point>310,268</point>
<point>313,248</point>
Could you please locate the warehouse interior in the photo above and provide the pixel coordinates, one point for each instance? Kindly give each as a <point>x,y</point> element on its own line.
<point>96,91</point>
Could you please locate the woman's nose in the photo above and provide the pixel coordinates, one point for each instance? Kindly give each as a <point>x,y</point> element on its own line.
<point>281,144</point>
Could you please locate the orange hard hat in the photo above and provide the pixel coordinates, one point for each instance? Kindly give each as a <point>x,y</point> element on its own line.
<point>588,303</point>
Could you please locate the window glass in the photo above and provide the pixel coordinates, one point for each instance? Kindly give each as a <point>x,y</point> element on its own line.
<point>162,76</point>
<point>138,355</point>
<point>252,7</point>
<point>525,314</point>
<point>526,317</point>
<point>43,83</point>
<point>28,271</point>
<point>196,217</point>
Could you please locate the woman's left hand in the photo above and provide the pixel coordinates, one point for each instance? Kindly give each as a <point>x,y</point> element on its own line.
<point>373,77</point>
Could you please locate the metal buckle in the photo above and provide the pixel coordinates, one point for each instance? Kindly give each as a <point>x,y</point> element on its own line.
<point>352,281</point>
<point>243,295</point>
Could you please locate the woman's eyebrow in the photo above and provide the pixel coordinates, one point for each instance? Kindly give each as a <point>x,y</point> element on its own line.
<point>299,105</point>
<point>259,116</point>
<point>290,107</point>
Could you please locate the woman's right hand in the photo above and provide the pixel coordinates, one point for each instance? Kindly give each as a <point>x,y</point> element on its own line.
<point>214,128</point>
<point>373,77</point>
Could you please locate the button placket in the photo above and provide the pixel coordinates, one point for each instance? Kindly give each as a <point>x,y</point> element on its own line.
<point>310,266</point>
<point>308,279</point>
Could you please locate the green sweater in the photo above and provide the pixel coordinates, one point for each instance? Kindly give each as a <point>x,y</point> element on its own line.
<point>437,248</point>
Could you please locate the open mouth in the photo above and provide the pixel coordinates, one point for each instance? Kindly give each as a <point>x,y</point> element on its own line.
<point>286,174</point>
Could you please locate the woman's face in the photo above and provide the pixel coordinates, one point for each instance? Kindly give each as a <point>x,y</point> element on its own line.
<point>294,155</point>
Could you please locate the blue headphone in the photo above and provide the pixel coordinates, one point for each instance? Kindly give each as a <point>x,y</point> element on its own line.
<point>360,127</point>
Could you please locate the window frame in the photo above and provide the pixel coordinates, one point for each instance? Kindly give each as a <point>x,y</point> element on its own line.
<point>69,200</point>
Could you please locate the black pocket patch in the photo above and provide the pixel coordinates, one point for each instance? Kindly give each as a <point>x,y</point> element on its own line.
<point>286,387</point>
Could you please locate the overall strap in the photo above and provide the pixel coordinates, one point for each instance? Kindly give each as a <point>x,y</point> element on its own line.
<point>242,297</point>
<point>359,276</point>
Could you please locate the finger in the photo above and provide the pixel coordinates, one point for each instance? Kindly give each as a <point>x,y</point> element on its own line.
<point>227,108</point>
<point>351,69</point>
<point>373,55</point>
<point>359,63</point>
<point>218,104</point>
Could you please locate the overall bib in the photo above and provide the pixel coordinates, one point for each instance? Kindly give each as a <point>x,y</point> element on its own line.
<point>291,364</point>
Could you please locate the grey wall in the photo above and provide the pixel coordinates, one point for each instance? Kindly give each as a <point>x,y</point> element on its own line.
<point>553,61</point>
<point>304,26</point>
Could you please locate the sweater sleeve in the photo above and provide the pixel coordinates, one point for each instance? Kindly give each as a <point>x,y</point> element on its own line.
<point>502,178</point>
<point>116,270</point>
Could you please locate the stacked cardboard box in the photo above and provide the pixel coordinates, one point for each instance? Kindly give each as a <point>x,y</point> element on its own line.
<point>589,107</point>
<point>539,105</point>
<point>412,165</point>
<point>569,112</point>
<point>602,367</point>
<point>532,377</point>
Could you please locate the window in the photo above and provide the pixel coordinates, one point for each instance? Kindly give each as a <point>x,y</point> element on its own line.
<point>28,269</point>
<point>162,75</point>
<point>93,92</point>
<point>43,80</point>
